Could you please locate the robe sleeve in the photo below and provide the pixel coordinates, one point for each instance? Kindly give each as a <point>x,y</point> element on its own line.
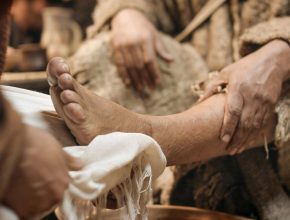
<point>156,11</point>
<point>262,33</point>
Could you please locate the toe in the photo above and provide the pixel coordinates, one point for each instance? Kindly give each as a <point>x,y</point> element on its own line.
<point>75,112</point>
<point>55,96</point>
<point>56,67</point>
<point>65,81</point>
<point>69,96</point>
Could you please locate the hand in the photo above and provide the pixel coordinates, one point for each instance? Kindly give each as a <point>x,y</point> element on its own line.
<point>136,43</point>
<point>254,85</point>
<point>41,177</point>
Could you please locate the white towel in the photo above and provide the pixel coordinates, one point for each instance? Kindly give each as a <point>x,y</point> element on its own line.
<point>124,164</point>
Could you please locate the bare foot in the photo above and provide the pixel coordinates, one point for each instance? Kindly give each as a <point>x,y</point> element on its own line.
<point>86,114</point>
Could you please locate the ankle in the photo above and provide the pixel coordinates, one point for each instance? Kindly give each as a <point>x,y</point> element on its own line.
<point>144,125</point>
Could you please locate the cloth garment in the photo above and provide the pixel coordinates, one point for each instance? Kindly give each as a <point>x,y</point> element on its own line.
<point>122,164</point>
<point>235,26</point>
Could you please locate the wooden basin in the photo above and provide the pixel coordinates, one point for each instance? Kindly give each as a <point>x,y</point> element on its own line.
<point>159,212</point>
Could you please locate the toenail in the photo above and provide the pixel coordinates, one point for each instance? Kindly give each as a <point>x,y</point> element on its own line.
<point>65,67</point>
<point>65,78</point>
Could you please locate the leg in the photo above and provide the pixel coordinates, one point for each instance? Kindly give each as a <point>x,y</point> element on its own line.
<point>186,137</point>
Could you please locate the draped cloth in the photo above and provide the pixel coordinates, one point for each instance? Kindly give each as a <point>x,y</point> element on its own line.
<point>119,164</point>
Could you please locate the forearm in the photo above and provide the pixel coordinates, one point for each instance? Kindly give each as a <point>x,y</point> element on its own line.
<point>194,135</point>
<point>11,141</point>
<point>279,52</point>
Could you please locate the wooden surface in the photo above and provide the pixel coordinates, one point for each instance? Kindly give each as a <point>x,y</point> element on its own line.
<point>27,80</point>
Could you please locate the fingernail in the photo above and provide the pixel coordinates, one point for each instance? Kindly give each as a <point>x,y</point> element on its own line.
<point>68,77</point>
<point>226,138</point>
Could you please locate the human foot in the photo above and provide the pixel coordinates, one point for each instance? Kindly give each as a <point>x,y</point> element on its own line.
<point>86,114</point>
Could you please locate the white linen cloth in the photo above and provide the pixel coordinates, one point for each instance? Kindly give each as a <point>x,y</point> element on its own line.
<point>124,164</point>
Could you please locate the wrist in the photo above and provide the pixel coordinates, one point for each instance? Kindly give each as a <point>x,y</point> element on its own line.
<point>281,51</point>
<point>126,12</point>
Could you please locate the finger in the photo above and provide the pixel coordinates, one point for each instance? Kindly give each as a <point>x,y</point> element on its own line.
<point>72,163</point>
<point>133,72</point>
<point>245,126</point>
<point>162,52</point>
<point>212,89</point>
<point>137,56</point>
<point>128,65</point>
<point>139,84</point>
<point>150,80</point>
<point>259,117</point>
<point>257,124</point>
<point>120,63</point>
<point>142,68</point>
<point>266,118</point>
<point>125,76</point>
<point>233,110</point>
<point>139,67</point>
<point>130,68</point>
<point>239,139</point>
<point>151,63</point>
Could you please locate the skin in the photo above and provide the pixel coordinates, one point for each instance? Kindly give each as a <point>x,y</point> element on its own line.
<point>41,176</point>
<point>136,46</point>
<point>186,137</point>
<point>254,85</point>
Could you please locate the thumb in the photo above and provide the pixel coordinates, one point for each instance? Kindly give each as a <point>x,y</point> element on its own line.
<point>162,52</point>
<point>212,89</point>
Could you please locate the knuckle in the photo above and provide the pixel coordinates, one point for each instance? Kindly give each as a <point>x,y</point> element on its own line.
<point>235,111</point>
<point>247,124</point>
<point>148,60</point>
<point>259,96</point>
<point>145,36</point>
<point>117,44</point>
<point>245,87</point>
<point>257,125</point>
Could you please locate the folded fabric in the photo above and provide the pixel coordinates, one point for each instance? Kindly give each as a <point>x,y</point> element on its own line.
<point>122,164</point>
<point>119,164</point>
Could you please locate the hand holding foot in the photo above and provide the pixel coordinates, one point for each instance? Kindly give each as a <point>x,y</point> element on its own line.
<point>187,137</point>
